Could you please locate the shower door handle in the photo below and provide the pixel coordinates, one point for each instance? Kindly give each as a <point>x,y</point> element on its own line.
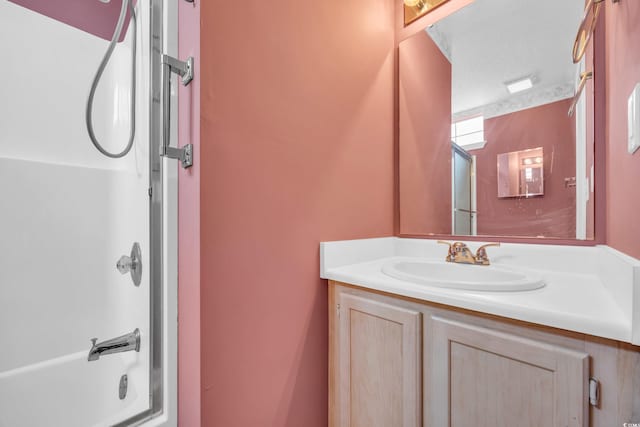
<point>185,70</point>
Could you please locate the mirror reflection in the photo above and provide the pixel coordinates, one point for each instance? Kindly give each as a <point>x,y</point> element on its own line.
<point>487,146</point>
<point>521,173</point>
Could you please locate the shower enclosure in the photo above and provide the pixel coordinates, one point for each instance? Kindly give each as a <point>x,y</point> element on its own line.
<point>87,242</point>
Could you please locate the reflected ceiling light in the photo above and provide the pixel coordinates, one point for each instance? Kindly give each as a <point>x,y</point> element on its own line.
<point>519,85</point>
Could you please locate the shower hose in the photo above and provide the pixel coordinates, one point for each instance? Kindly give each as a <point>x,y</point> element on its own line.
<point>105,60</point>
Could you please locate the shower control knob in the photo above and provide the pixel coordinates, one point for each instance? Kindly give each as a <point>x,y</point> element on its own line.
<point>125,264</point>
<point>132,264</point>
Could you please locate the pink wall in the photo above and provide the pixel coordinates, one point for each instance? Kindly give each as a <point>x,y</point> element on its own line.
<point>424,137</point>
<point>589,94</point>
<point>189,370</point>
<point>554,214</point>
<point>306,93</point>
<point>600,130</point>
<point>623,169</point>
<point>91,16</point>
<point>297,139</point>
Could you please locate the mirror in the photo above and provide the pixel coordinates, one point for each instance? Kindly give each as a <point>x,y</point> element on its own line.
<point>482,93</point>
<point>521,173</point>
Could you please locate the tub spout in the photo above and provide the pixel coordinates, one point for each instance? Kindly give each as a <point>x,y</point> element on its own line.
<point>127,342</point>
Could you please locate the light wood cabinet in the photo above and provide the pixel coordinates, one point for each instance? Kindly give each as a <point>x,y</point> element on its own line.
<point>379,360</point>
<point>396,362</point>
<point>485,378</point>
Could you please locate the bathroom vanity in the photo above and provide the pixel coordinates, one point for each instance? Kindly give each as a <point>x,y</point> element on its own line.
<point>404,353</point>
<point>547,335</point>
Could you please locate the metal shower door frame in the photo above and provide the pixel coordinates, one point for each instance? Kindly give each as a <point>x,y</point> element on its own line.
<point>156,203</point>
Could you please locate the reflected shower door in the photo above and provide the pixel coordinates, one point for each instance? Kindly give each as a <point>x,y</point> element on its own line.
<point>463,213</point>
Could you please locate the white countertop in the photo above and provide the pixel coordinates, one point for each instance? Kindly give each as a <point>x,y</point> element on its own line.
<point>592,290</point>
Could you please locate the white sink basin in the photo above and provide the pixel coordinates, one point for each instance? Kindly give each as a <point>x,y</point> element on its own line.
<point>462,276</point>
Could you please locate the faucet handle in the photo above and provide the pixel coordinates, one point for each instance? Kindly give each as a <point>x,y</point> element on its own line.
<point>125,264</point>
<point>481,253</point>
<point>451,252</point>
<point>132,264</point>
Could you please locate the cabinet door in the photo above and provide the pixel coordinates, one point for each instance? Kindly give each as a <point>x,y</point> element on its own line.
<point>480,377</point>
<point>378,380</point>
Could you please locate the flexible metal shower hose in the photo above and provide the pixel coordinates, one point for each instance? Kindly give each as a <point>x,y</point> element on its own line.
<point>105,60</point>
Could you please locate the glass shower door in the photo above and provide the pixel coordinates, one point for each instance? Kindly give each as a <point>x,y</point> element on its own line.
<point>68,214</point>
<point>463,213</point>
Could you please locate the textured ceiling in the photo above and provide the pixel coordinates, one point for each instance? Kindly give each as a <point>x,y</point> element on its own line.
<point>491,42</point>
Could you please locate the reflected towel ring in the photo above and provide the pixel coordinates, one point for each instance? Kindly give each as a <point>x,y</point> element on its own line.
<point>583,81</point>
<point>585,31</point>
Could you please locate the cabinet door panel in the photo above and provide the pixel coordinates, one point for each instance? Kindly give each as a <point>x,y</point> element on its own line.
<point>504,391</point>
<point>481,377</point>
<point>379,364</point>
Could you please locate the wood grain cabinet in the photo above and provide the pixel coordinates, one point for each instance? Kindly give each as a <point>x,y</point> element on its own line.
<point>484,378</point>
<point>379,360</point>
<point>397,362</point>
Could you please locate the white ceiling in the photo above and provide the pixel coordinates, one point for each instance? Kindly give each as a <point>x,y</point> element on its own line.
<point>491,42</point>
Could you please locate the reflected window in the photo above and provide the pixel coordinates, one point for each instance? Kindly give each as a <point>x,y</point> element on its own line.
<point>469,133</point>
<point>528,174</point>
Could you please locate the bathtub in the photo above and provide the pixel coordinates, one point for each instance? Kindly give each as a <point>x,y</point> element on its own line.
<point>42,394</point>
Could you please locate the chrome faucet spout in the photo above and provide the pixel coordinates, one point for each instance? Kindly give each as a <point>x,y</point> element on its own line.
<point>127,342</point>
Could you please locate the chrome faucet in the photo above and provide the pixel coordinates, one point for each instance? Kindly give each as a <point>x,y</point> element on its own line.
<point>127,342</point>
<point>460,253</point>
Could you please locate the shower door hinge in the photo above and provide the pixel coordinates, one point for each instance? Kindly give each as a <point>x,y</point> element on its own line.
<point>185,70</point>
<point>182,68</point>
<point>184,154</point>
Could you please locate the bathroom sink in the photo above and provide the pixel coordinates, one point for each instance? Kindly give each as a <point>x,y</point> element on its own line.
<point>462,276</point>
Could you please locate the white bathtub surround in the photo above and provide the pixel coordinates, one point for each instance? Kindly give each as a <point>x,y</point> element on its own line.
<point>69,213</point>
<point>592,290</point>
